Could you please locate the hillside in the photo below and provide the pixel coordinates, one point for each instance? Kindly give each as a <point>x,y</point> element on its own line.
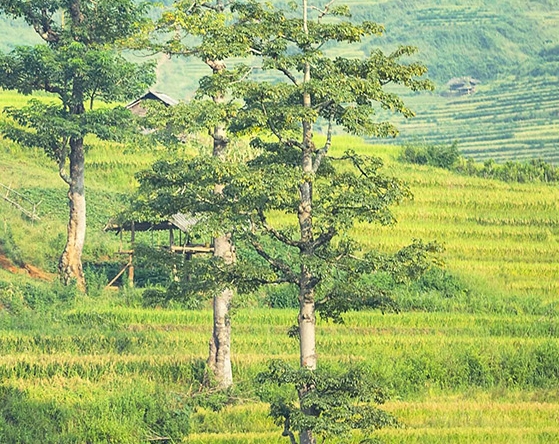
<point>472,356</point>
<point>504,234</point>
<point>509,46</point>
<point>473,344</point>
<point>509,119</point>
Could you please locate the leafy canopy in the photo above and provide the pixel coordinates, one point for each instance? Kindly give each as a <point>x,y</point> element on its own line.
<point>79,64</point>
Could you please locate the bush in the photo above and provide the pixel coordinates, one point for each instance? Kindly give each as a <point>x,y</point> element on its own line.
<point>11,298</point>
<point>134,416</point>
<point>29,422</point>
<point>442,281</point>
<point>441,156</point>
<point>9,247</point>
<point>448,157</point>
<point>282,296</point>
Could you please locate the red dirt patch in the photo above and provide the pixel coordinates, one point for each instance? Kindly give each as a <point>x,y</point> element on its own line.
<point>31,270</point>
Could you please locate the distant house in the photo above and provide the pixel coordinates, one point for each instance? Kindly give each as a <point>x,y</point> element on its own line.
<point>136,107</point>
<point>461,86</point>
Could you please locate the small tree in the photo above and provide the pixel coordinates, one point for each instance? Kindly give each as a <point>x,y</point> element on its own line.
<point>79,65</point>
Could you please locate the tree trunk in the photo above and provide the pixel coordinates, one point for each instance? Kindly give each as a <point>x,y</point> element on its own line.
<point>307,343</point>
<point>307,316</point>
<point>219,359</point>
<point>70,264</point>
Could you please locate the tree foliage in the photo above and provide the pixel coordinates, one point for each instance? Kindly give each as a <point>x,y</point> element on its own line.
<point>290,209</point>
<point>340,402</point>
<point>78,64</point>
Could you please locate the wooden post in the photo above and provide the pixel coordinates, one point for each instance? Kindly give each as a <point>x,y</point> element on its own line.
<point>131,270</point>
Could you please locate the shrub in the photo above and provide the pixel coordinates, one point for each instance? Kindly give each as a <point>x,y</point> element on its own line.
<point>282,296</point>
<point>448,157</point>
<point>441,156</point>
<point>26,421</point>
<point>442,281</point>
<point>134,416</point>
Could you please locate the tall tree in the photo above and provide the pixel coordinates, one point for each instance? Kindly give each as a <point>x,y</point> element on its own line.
<point>207,30</point>
<point>78,64</point>
<point>320,197</point>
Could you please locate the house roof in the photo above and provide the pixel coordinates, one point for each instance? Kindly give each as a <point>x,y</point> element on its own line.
<point>154,95</point>
<point>461,81</point>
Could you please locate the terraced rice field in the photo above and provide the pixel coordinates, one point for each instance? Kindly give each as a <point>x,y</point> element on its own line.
<point>454,378</point>
<point>503,121</point>
<point>506,234</point>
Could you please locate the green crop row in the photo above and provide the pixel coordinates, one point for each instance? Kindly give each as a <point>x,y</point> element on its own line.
<point>419,357</point>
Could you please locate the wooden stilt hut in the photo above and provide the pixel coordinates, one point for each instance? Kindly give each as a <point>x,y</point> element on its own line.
<point>178,224</point>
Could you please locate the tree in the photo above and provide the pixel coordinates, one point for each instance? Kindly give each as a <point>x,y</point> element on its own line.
<point>78,64</point>
<point>207,30</point>
<point>319,197</point>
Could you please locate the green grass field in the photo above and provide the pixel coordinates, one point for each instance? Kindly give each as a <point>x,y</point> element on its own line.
<point>478,366</point>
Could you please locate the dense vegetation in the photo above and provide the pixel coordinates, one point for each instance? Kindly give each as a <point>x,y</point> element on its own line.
<point>448,157</point>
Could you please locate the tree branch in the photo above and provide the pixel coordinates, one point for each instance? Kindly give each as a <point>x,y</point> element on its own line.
<point>270,123</point>
<point>324,238</point>
<point>296,143</point>
<point>322,105</point>
<point>288,74</point>
<point>324,150</point>
<point>62,163</point>
<point>287,431</point>
<point>276,264</point>
<point>323,12</point>
<point>276,234</point>
<point>244,76</point>
<point>52,89</point>
<point>42,26</point>
<point>218,7</point>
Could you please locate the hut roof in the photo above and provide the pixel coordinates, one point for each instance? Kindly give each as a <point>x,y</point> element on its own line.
<point>152,95</point>
<point>179,221</point>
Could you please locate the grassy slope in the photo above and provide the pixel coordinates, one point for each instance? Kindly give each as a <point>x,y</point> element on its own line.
<point>481,368</point>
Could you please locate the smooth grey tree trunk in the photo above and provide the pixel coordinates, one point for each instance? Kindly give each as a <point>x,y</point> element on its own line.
<point>307,316</point>
<point>219,359</point>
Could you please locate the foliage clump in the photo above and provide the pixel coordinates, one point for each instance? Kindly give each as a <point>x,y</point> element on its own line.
<point>449,158</point>
<point>339,402</point>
